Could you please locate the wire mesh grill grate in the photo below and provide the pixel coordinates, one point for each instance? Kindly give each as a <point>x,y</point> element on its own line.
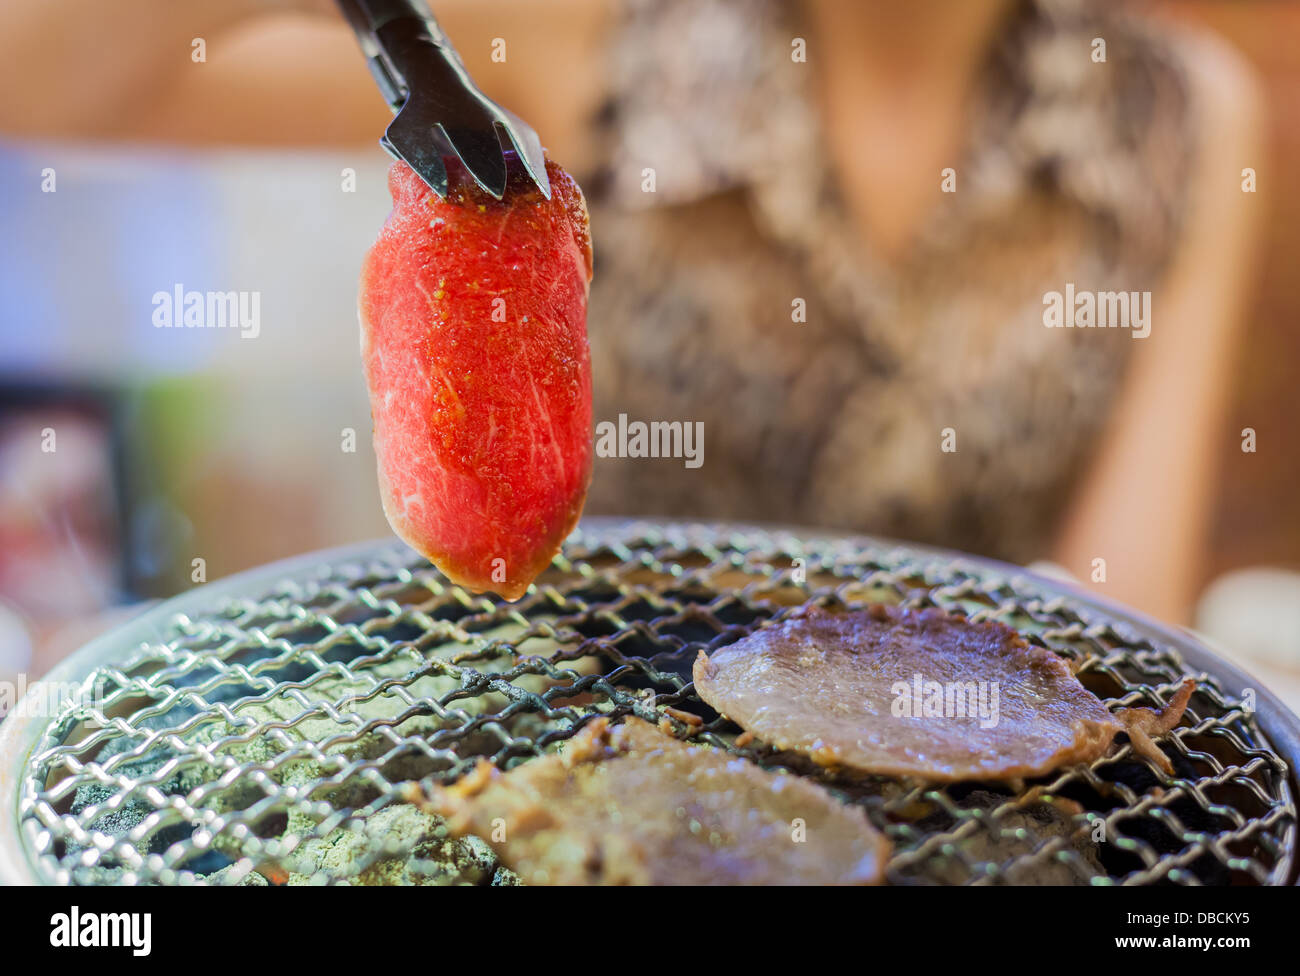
<point>269,740</point>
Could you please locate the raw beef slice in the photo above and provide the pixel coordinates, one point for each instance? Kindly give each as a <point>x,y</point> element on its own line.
<point>473,335</point>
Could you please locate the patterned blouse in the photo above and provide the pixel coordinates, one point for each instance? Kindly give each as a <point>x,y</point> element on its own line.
<point>1074,171</point>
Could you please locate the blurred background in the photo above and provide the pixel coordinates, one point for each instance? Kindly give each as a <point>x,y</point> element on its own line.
<point>137,461</point>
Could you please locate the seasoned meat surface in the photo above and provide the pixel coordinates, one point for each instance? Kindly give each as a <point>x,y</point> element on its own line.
<point>918,693</point>
<point>634,805</point>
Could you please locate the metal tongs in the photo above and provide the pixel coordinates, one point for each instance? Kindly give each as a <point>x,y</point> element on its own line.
<point>440,112</point>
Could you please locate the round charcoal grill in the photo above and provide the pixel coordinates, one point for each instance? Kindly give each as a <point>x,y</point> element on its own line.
<point>263,729</point>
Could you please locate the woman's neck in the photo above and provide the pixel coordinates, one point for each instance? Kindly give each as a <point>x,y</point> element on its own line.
<point>895,84</point>
<point>926,43</point>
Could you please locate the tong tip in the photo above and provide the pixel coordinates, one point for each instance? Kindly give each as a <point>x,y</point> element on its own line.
<point>490,161</point>
<point>527,149</point>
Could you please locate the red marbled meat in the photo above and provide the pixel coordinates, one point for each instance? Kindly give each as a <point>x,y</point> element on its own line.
<point>473,335</point>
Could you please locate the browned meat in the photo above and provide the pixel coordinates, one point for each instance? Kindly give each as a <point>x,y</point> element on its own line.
<point>633,805</point>
<point>1144,724</point>
<point>915,693</point>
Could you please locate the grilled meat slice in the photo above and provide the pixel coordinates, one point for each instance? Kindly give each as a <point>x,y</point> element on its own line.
<point>918,693</point>
<point>633,805</point>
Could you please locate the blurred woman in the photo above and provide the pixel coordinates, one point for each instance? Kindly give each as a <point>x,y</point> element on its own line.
<point>826,230</point>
